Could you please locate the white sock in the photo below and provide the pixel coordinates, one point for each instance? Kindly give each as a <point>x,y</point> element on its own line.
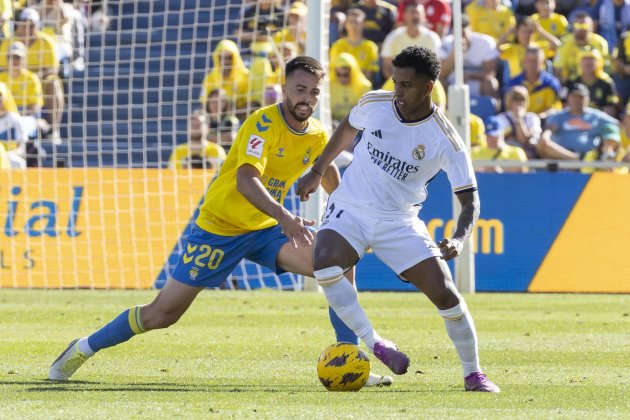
<point>342,297</point>
<point>84,346</point>
<point>461,330</point>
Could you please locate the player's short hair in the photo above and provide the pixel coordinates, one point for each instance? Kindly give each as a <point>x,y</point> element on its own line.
<point>305,63</point>
<point>423,60</point>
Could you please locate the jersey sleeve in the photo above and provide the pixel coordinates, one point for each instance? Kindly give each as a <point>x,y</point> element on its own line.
<point>255,139</point>
<point>360,114</point>
<point>456,162</point>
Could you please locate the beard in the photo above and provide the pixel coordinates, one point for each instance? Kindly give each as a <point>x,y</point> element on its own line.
<point>293,108</point>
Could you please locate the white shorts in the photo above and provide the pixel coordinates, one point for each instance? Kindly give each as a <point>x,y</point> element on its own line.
<point>400,243</point>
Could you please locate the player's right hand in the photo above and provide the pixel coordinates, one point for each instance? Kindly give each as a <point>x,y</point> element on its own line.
<point>296,229</point>
<point>308,184</point>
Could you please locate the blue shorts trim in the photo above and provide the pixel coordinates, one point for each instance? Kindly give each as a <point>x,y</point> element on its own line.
<point>208,259</point>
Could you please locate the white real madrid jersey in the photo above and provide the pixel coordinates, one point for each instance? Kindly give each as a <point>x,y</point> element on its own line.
<point>396,159</point>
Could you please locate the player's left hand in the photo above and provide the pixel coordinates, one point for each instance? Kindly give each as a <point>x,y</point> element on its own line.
<point>450,248</point>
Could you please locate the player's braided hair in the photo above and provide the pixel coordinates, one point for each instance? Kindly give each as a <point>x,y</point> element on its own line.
<point>422,59</point>
<point>306,63</point>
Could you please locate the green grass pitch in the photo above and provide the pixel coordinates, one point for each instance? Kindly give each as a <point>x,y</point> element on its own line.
<point>253,354</point>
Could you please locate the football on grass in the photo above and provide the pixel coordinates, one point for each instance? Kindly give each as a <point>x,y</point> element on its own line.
<point>343,367</point>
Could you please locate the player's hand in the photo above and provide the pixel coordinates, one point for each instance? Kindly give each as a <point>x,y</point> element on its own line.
<point>296,229</point>
<point>450,248</point>
<point>308,184</point>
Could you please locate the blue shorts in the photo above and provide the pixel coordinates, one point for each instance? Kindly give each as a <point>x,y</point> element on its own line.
<point>208,259</point>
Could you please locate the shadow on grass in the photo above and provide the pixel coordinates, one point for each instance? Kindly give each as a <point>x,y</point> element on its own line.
<point>82,386</point>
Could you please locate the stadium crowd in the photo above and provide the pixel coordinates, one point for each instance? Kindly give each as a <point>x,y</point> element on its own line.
<point>548,79</point>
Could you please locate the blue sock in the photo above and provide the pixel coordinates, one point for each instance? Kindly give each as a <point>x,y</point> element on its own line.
<point>342,331</point>
<point>119,330</point>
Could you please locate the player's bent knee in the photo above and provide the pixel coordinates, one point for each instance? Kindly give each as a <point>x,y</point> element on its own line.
<point>455,313</point>
<point>328,276</point>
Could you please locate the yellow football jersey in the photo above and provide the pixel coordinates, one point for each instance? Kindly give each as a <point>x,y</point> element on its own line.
<point>42,53</point>
<point>493,22</point>
<point>181,155</point>
<point>567,55</point>
<point>26,88</point>
<point>280,154</point>
<point>366,53</point>
<point>556,24</point>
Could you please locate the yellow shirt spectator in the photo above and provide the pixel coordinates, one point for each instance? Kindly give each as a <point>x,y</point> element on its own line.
<point>493,22</point>
<point>26,89</point>
<point>347,85</point>
<point>366,53</point>
<point>6,14</point>
<point>233,79</point>
<point>41,54</point>
<point>184,154</point>
<point>556,24</point>
<point>477,132</point>
<point>567,56</point>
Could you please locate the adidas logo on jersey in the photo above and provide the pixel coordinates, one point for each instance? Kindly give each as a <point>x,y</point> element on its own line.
<point>377,133</point>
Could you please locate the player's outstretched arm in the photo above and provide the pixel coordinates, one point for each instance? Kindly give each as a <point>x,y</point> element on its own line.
<point>340,140</point>
<point>294,227</point>
<point>452,247</point>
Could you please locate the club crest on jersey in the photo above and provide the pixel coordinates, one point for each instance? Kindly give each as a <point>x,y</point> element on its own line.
<point>418,152</point>
<point>255,146</point>
<point>307,156</point>
<point>193,273</point>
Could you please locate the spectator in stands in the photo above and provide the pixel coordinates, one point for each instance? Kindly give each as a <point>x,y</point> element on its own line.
<point>624,128</point>
<point>565,64</point>
<point>273,94</point>
<point>347,85</point>
<point>413,33</point>
<point>57,20</point>
<point>198,153</point>
<point>613,18</point>
<point>608,150</point>
<point>477,131</point>
<point>295,30</point>
<point>6,14</point>
<point>13,139</point>
<point>543,87</point>
<point>490,17</point>
<point>497,149</point>
<point>338,10</point>
<point>228,73</point>
<point>577,129</point>
<point>94,14</point>
<point>438,95</point>
<point>282,54</point>
<point>480,61</point>
<point>552,22</point>
<point>621,68</point>
<point>258,22</point>
<point>601,86</point>
<point>42,60</point>
<point>25,87</point>
<point>520,128</point>
<point>220,119</point>
<point>380,18</point>
<point>514,52</point>
<point>363,50</point>
<point>4,159</point>
<point>438,12</point>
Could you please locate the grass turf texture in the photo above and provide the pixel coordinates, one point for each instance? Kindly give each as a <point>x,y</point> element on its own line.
<point>253,354</point>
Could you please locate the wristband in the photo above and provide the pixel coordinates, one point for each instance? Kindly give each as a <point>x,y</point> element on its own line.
<point>313,169</point>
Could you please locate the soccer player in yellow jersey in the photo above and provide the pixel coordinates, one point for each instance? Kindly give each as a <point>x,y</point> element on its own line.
<point>241,216</point>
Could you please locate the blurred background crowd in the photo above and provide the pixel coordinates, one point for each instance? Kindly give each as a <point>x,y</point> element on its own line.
<point>548,79</point>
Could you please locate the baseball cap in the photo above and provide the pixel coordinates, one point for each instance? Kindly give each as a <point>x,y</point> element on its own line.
<point>494,126</point>
<point>298,8</point>
<point>29,14</point>
<point>17,49</point>
<point>580,89</point>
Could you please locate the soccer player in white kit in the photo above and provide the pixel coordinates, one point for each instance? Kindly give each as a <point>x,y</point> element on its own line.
<point>406,141</point>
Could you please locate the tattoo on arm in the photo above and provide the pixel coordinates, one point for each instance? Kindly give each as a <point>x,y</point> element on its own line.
<point>468,217</point>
